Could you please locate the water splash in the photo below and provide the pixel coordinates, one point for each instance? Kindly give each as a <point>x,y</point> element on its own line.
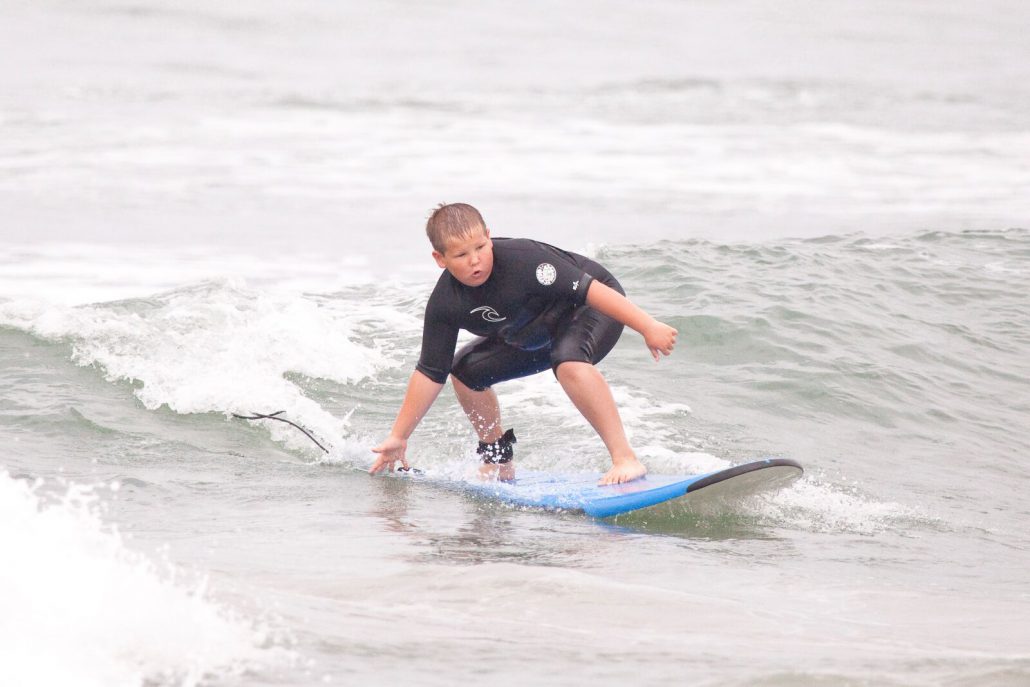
<point>81,608</point>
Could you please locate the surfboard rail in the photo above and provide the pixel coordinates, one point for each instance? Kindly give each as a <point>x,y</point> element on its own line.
<point>579,492</point>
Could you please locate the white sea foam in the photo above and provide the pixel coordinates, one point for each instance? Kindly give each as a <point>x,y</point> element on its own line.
<point>217,346</point>
<point>813,505</point>
<point>80,608</point>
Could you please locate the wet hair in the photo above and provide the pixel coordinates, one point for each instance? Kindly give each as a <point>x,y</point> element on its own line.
<point>450,221</point>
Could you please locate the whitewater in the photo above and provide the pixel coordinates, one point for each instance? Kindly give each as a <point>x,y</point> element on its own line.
<point>218,210</point>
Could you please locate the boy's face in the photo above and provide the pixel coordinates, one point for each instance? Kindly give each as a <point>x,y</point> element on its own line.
<point>469,259</point>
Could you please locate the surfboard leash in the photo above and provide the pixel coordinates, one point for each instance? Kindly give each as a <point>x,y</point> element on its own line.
<point>275,416</point>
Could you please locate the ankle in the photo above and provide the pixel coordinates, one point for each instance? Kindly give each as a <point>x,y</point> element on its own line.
<point>500,473</point>
<point>500,451</point>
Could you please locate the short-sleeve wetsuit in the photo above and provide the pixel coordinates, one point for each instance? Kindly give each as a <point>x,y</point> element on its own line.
<point>530,314</point>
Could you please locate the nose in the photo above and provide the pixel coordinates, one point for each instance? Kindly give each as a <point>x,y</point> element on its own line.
<point>474,258</point>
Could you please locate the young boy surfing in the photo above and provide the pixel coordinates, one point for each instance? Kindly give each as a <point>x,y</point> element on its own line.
<point>533,307</point>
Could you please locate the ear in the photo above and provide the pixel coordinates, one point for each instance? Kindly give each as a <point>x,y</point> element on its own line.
<point>438,256</point>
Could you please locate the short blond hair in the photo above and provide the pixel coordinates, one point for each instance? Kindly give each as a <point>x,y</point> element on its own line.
<point>450,221</point>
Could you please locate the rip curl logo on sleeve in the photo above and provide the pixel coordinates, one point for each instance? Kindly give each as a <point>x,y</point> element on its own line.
<point>488,313</point>
<point>546,274</point>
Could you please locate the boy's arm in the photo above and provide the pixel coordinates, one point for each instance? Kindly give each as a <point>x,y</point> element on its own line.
<point>659,337</point>
<point>421,393</point>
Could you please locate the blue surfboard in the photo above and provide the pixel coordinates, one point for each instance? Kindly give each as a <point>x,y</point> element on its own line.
<point>657,494</point>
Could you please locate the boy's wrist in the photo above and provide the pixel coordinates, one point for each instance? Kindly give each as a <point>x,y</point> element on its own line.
<point>648,327</point>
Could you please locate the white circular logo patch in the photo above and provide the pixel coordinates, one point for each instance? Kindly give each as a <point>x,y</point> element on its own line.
<point>546,274</point>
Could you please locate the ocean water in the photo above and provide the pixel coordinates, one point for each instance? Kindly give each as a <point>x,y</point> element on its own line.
<point>209,210</point>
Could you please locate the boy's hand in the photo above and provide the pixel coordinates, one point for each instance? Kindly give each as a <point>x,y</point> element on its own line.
<point>624,471</point>
<point>390,451</point>
<point>660,338</point>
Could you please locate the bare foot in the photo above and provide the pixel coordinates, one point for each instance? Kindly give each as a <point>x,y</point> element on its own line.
<point>505,472</point>
<point>625,470</point>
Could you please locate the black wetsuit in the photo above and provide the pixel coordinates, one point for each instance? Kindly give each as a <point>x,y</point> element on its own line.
<point>530,315</point>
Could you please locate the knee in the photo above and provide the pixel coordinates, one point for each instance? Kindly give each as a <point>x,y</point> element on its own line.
<point>469,371</point>
<point>573,371</point>
<point>461,387</point>
<point>458,385</point>
<point>461,368</point>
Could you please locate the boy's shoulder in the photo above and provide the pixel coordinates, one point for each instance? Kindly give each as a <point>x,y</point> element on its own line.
<point>512,242</point>
<point>533,251</point>
<point>516,245</point>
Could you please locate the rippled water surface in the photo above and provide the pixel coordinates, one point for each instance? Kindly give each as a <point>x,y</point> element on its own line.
<point>209,210</point>
<point>894,369</point>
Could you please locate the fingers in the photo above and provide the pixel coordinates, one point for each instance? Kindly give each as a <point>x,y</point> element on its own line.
<point>671,341</point>
<point>663,341</point>
<point>389,452</point>
<point>663,350</point>
<point>383,463</point>
<point>378,465</point>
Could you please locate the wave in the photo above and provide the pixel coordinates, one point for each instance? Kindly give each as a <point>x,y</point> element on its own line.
<point>82,608</point>
<point>910,344</point>
<point>218,347</point>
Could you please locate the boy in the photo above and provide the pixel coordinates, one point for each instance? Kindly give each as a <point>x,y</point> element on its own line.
<point>533,307</point>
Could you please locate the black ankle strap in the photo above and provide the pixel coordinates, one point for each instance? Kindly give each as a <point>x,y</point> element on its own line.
<point>500,451</point>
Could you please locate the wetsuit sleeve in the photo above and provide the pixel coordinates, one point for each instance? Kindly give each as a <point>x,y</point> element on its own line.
<point>579,294</point>
<point>439,337</point>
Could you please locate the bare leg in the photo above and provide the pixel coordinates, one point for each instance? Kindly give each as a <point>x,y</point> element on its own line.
<point>482,409</point>
<point>592,397</point>
<point>484,412</point>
